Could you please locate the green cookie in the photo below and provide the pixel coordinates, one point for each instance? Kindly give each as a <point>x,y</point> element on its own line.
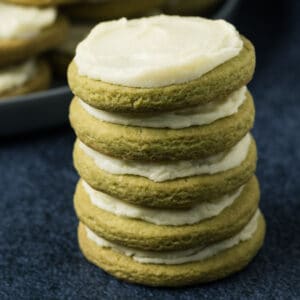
<point>152,144</point>
<point>216,84</point>
<point>216,267</point>
<point>140,234</point>
<point>177,193</point>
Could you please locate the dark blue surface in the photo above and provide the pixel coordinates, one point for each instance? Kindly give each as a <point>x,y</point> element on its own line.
<point>39,257</point>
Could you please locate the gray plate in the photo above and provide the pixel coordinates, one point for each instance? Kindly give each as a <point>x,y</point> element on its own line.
<point>50,108</point>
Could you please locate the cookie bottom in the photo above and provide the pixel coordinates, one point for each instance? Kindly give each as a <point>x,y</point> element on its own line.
<point>216,267</point>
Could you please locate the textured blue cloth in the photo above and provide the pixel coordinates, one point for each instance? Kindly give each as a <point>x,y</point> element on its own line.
<point>39,256</point>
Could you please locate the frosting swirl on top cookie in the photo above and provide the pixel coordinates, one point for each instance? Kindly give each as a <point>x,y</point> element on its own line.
<point>156,51</point>
<point>23,22</point>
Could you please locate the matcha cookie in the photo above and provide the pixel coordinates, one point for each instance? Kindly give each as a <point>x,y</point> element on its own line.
<point>178,193</point>
<point>16,50</point>
<point>137,143</point>
<point>212,268</point>
<point>40,80</point>
<point>122,230</point>
<point>216,84</point>
<point>113,9</point>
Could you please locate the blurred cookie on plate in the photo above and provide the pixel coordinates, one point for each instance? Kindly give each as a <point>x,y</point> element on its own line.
<point>26,31</point>
<point>23,78</point>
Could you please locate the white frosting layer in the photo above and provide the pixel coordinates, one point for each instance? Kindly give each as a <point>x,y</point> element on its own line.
<point>179,257</point>
<point>76,34</point>
<point>18,21</point>
<point>17,75</point>
<point>163,171</point>
<point>199,115</point>
<point>160,216</point>
<point>156,51</point>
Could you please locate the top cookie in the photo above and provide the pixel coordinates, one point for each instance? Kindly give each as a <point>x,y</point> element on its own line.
<point>160,63</point>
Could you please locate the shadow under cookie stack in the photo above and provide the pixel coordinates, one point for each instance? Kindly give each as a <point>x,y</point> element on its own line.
<point>162,114</point>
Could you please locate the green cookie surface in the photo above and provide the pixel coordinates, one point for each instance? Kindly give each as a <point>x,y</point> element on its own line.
<point>152,144</point>
<point>181,192</point>
<point>140,234</point>
<point>213,268</point>
<point>16,50</point>
<point>216,84</point>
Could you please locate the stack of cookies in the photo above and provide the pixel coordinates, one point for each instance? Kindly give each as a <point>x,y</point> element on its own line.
<point>25,32</point>
<point>167,195</point>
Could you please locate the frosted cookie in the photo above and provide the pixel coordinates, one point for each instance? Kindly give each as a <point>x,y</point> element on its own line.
<point>98,10</point>
<point>34,30</point>
<point>191,7</point>
<point>172,62</point>
<point>168,184</point>
<point>24,78</point>
<point>193,133</point>
<point>166,229</point>
<point>40,2</point>
<point>175,268</point>
<point>64,53</point>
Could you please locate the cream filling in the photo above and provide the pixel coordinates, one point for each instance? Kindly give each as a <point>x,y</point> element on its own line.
<point>179,257</point>
<point>17,21</point>
<point>156,51</point>
<point>163,171</point>
<point>76,34</point>
<point>170,217</point>
<point>17,75</point>
<point>199,115</point>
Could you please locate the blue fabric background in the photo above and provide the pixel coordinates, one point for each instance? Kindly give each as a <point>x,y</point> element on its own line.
<point>39,256</point>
